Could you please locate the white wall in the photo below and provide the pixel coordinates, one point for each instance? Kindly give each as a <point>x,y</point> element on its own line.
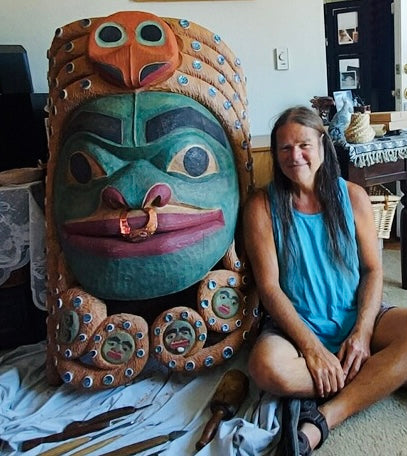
<point>251,28</point>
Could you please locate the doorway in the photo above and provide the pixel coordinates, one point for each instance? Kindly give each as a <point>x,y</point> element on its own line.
<point>360,50</point>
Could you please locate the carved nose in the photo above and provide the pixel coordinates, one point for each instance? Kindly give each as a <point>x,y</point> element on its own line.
<point>158,195</point>
<point>113,198</point>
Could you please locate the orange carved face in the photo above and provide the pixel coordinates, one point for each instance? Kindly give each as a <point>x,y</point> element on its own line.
<point>133,50</point>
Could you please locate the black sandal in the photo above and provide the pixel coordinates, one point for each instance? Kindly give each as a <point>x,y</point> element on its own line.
<point>309,413</point>
<point>296,412</point>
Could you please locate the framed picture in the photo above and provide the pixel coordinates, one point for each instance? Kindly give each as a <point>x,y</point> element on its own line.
<point>349,73</point>
<point>340,96</point>
<point>348,80</point>
<point>347,26</point>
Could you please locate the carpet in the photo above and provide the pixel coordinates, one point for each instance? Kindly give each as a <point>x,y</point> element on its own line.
<point>380,430</point>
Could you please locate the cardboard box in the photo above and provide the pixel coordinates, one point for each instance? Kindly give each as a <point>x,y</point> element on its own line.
<point>394,125</point>
<point>388,116</point>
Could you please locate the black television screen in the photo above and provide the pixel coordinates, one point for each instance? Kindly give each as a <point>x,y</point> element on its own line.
<point>15,75</point>
<point>22,129</point>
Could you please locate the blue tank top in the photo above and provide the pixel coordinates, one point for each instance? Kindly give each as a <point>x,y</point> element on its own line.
<point>323,291</point>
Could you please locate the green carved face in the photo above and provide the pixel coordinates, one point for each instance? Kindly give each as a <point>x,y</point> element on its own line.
<point>125,153</point>
<point>118,347</point>
<point>179,337</point>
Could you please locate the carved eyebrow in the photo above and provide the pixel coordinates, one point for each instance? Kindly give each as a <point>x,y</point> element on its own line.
<point>107,127</point>
<point>182,118</point>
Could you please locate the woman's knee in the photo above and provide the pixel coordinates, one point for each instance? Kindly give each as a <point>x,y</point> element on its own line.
<point>268,375</point>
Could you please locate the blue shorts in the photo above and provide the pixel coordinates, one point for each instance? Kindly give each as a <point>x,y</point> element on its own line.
<point>269,327</point>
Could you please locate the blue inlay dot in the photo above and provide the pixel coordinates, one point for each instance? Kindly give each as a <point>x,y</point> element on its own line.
<point>217,39</point>
<point>198,324</point>
<point>184,23</point>
<point>157,331</point>
<point>221,79</point>
<point>202,337</point>
<point>97,337</point>
<point>221,59</point>
<point>68,353</point>
<point>110,327</point>
<point>77,301</point>
<point>158,349</point>
<point>189,366</point>
<point>209,361</point>
<point>129,372</point>
<point>127,325</point>
<point>87,382</point>
<point>82,337</point>
<point>232,281</point>
<point>227,352</point>
<point>67,377</point>
<point>87,318</point>
<point>212,284</point>
<point>212,91</point>
<point>108,379</point>
<point>140,353</point>
<point>204,304</point>
<point>196,45</point>
<point>197,65</point>
<point>227,104</point>
<point>168,317</point>
<point>172,364</point>
<point>182,79</point>
<point>184,315</point>
<point>211,321</point>
<point>225,327</point>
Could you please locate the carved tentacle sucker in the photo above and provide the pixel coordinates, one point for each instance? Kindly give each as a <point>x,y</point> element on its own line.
<point>225,306</point>
<point>93,350</point>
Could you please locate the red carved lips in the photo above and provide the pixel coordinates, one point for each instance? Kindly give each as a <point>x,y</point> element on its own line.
<point>177,228</point>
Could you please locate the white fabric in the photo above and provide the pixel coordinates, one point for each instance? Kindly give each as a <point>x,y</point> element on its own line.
<point>30,408</point>
<point>22,235</point>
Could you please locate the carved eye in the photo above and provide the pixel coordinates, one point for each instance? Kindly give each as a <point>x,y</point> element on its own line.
<point>84,168</point>
<point>193,161</point>
<point>150,34</point>
<point>110,34</point>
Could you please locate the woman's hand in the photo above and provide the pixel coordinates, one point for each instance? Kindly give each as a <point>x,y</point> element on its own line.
<point>326,371</point>
<point>354,351</point>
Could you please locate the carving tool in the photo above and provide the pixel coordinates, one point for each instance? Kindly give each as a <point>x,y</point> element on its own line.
<point>68,446</point>
<point>145,444</point>
<point>224,404</point>
<point>78,428</point>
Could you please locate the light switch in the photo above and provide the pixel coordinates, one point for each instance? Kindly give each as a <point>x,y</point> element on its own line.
<point>281,56</point>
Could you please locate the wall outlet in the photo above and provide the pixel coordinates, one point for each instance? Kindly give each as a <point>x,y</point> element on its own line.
<point>281,58</point>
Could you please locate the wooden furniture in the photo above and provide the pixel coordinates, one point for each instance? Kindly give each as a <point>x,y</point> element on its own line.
<point>262,161</point>
<point>380,173</point>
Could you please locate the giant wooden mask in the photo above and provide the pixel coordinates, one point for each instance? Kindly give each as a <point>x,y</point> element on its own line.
<point>149,158</point>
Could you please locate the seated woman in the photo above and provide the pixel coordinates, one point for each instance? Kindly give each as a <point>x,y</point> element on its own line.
<point>313,249</point>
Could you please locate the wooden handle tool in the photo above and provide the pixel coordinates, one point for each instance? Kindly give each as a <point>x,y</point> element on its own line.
<point>137,447</point>
<point>228,397</point>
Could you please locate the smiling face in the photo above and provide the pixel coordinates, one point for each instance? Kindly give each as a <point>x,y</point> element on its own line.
<point>125,155</point>
<point>299,152</point>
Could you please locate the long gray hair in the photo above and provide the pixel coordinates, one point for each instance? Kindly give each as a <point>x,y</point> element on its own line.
<point>327,186</point>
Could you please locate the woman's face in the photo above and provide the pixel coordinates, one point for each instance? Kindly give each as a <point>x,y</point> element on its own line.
<point>299,152</point>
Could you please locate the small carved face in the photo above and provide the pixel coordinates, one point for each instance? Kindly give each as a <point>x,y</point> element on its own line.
<point>179,337</point>
<point>118,347</point>
<point>225,303</point>
<point>68,327</point>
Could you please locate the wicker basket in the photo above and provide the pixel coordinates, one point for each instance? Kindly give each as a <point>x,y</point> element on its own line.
<point>384,207</point>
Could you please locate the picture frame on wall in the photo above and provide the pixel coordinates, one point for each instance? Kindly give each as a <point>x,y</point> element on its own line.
<point>348,80</point>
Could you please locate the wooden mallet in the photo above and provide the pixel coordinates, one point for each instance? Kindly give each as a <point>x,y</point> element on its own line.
<point>228,397</point>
